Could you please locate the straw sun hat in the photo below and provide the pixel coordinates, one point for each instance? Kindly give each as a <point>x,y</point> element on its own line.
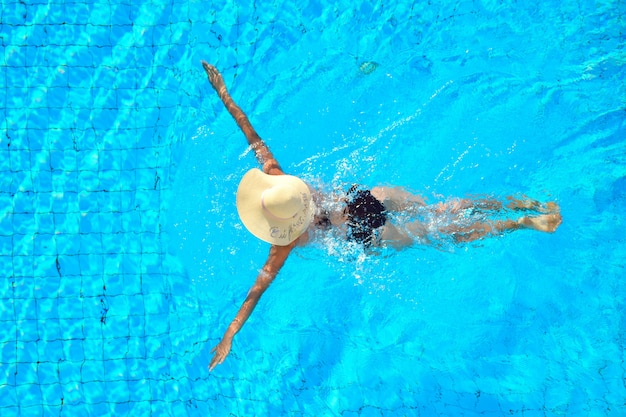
<point>274,208</point>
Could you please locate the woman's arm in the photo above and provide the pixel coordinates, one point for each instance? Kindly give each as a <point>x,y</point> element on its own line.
<point>275,261</point>
<point>262,152</point>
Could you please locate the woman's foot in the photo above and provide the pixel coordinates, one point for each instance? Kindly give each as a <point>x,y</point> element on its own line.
<point>529,204</point>
<point>543,223</point>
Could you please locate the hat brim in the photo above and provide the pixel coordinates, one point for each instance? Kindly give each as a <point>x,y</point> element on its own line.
<point>268,228</point>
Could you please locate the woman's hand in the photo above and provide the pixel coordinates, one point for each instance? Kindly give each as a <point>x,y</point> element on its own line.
<point>221,351</point>
<point>214,76</point>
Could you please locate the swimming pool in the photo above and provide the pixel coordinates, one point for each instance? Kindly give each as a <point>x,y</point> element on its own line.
<point>123,260</point>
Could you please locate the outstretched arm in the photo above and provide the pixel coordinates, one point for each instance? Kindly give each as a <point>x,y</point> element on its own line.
<point>275,261</point>
<point>262,152</point>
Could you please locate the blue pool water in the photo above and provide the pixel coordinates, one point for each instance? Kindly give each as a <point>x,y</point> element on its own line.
<point>122,259</point>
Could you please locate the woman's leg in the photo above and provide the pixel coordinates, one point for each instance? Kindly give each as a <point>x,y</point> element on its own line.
<point>479,230</point>
<point>543,223</point>
<point>487,204</point>
<point>396,199</point>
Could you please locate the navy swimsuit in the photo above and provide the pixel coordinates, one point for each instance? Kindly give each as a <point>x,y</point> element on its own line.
<point>365,214</point>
